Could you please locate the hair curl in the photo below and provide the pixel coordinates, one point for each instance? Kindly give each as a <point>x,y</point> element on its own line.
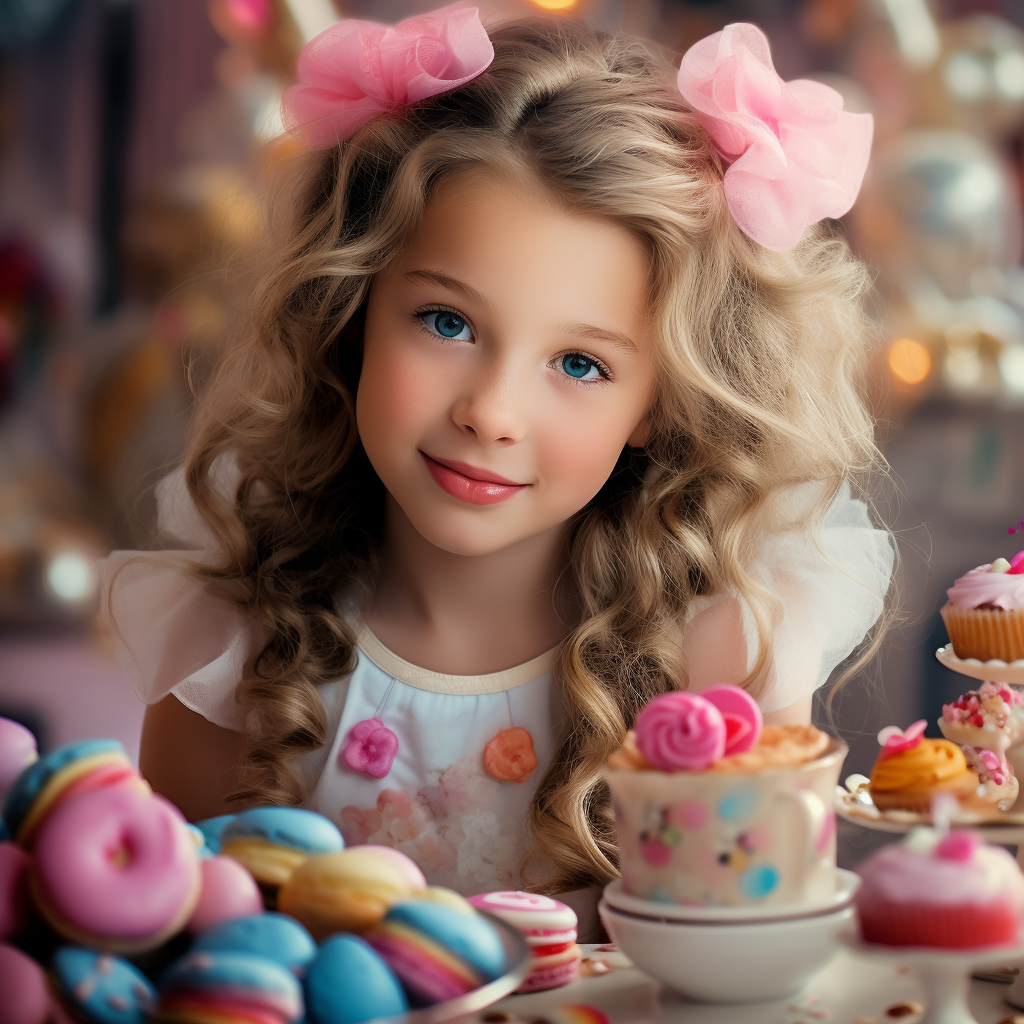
<point>758,355</point>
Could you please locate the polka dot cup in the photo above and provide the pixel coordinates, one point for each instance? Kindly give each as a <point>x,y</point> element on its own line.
<point>728,838</point>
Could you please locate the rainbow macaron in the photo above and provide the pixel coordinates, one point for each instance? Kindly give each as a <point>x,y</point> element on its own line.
<point>548,926</point>
<point>225,987</point>
<point>66,772</point>
<point>273,841</point>
<point>101,988</point>
<point>436,952</point>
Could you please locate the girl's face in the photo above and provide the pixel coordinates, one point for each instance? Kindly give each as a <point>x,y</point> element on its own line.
<point>507,361</point>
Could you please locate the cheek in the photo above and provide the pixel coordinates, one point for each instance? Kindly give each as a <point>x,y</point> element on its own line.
<point>578,454</point>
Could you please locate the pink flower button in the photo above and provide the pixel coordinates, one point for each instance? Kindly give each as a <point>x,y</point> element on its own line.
<point>370,748</point>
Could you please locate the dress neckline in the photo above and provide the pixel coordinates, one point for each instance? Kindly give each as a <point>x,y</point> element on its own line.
<point>441,682</point>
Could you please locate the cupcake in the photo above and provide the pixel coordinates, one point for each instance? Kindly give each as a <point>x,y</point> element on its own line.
<point>991,717</point>
<point>984,615</point>
<point>952,892</point>
<point>713,808</point>
<point>911,771</point>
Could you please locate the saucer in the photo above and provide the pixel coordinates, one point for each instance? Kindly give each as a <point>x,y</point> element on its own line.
<point>847,883</point>
<point>1000,671</point>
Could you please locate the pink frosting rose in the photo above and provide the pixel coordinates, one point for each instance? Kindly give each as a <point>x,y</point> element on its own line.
<point>681,732</point>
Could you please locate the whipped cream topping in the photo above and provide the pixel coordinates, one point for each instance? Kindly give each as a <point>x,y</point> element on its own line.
<point>943,872</point>
<point>982,586</point>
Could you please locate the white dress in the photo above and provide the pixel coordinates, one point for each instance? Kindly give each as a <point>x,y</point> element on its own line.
<point>436,802</point>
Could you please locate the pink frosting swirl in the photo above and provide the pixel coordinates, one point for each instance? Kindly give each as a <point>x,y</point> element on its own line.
<point>979,586</point>
<point>681,732</point>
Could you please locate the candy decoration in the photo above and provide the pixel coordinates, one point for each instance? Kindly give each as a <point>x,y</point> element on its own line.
<point>999,565</point>
<point>743,719</point>
<point>509,756</point>
<point>894,740</point>
<point>681,731</point>
<point>370,748</point>
<point>1017,564</point>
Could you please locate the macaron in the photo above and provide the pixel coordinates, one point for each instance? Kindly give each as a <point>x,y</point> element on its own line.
<point>273,936</point>
<point>68,771</point>
<point>228,891</point>
<point>100,988</point>
<point>223,985</point>
<point>272,841</point>
<point>17,752</point>
<point>437,953</point>
<point>23,985</point>
<point>348,891</point>
<point>348,983</point>
<point>549,928</point>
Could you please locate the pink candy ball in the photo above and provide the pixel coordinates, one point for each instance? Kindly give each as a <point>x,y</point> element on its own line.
<point>17,752</point>
<point>405,865</point>
<point>228,892</point>
<point>25,1000</point>
<point>14,863</point>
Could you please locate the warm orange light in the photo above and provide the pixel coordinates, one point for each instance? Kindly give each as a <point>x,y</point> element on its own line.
<point>555,5</point>
<point>909,360</point>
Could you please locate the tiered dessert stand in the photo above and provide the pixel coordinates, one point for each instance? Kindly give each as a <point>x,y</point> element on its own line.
<point>946,973</point>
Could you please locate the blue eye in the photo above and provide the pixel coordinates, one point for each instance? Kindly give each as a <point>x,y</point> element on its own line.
<point>581,367</point>
<point>446,324</point>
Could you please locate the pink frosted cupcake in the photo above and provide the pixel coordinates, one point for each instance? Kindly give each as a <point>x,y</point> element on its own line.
<point>952,892</point>
<point>984,615</point>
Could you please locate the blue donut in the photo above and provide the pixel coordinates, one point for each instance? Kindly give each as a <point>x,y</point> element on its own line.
<point>212,829</point>
<point>103,988</point>
<point>31,782</point>
<point>252,979</point>
<point>293,827</point>
<point>274,936</point>
<point>348,983</point>
<point>470,937</point>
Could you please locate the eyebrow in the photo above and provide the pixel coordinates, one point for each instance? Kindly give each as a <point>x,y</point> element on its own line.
<point>578,330</point>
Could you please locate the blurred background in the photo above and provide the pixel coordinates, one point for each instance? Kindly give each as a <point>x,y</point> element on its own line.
<point>135,136</point>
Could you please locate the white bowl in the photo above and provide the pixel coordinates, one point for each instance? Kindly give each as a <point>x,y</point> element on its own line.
<point>847,884</point>
<point>726,962</point>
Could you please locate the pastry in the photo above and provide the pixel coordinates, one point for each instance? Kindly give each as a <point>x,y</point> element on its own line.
<point>435,952</point>
<point>348,983</point>
<point>115,871</point>
<point>23,984</point>
<point>338,892</point>
<point>949,891</point>
<point>272,936</point>
<point>984,615</point>
<point>549,928</point>
<point>272,841</point>
<point>228,892</point>
<point>100,988</point>
<point>17,752</point>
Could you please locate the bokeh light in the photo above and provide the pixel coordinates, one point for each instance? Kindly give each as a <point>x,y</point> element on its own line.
<point>71,577</point>
<point>909,360</point>
<point>555,5</point>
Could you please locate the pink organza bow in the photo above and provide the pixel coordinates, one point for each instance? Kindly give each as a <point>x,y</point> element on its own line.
<point>356,70</point>
<point>795,155</point>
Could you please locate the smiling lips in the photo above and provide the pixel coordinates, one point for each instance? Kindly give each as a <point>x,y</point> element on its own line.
<point>469,483</point>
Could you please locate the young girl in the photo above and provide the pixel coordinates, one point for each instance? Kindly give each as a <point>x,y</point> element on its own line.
<point>541,412</point>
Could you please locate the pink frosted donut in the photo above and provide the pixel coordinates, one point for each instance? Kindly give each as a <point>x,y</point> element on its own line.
<point>228,891</point>
<point>17,752</point>
<point>406,866</point>
<point>14,863</point>
<point>23,984</point>
<point>115,870</point>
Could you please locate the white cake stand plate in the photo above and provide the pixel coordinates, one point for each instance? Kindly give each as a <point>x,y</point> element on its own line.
<point>945,973</point>
<point>996,670</point>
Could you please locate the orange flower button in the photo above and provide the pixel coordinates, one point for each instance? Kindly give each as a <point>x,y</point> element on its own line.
<point>509,757</point>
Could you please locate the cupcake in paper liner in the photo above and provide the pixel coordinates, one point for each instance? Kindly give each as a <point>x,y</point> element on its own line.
<point>984,615</point>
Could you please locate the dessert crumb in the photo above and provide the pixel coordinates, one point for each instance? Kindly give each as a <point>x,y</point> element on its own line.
<point>904,1009</point>
<point>590,967</point>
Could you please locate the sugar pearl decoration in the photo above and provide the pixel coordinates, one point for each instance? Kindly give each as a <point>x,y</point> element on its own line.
<point>1000,565</point>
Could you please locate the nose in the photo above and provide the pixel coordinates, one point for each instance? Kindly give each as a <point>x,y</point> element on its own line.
<point>493,404</point>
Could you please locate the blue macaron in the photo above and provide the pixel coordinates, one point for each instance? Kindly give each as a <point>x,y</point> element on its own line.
<point>293,827</point>
<point>101,988</point>
<point>212,829</point>
<point>470,937</point>
<point>274,936</point>
<point>31,782</point>
<point>254,980</point>
<point>348,983</point>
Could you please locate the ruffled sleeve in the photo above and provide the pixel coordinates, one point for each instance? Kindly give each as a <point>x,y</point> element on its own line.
<point>830,581</point>
<point>171,635</point>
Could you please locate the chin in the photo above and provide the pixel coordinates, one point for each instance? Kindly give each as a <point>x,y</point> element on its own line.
<point>462,539</point>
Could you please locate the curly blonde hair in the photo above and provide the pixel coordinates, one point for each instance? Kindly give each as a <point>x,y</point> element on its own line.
<point>758,356</point>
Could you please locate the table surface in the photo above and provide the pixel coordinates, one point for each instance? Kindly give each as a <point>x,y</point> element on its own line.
<point>850,990</point>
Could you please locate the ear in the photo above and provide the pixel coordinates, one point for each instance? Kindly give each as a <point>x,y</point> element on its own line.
<point>641,433</point>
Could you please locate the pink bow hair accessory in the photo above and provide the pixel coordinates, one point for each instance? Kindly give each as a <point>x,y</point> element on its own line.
<point>355,70</point>
<point>795,155</point>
